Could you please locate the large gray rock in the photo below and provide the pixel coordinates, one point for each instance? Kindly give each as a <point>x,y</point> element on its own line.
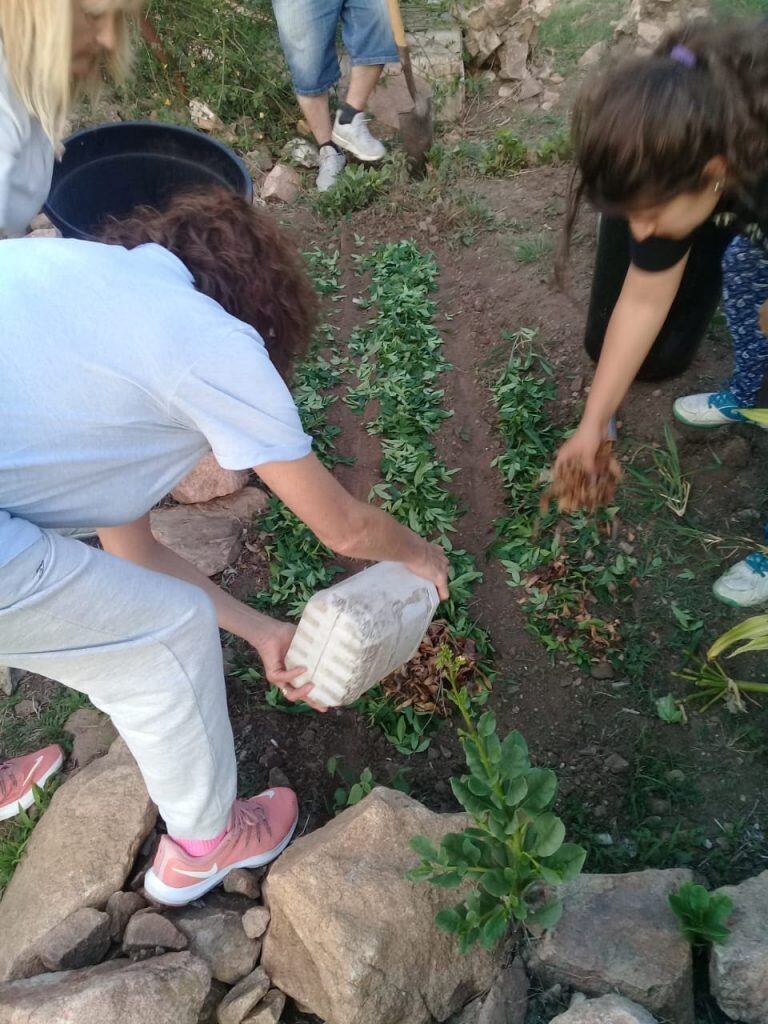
<point>605,1010</point>
<point>80,940</point>
<point>324,893</point>
<point>244,996</point>
<point>216,934</point>
<point>166,990</point>
<point>81,852</point>
<point>619,935</point>
<point>738,968</point>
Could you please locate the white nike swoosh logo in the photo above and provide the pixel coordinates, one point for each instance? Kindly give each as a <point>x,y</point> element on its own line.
<point>198,874</point>
<point>32,770</point>
<point>269,792</point>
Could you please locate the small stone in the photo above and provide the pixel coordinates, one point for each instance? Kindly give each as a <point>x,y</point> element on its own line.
<point>255,922</point>
<point>626,548</point>
<point>9,680</point>
<point>616,764</point>
<point>594,54</point>
<point>649,32</point>
<point>209,480</point>
<point>92,733</point>
<point>244,883</point>
<point>556,79</point>
<point>40,223</point>
<point>736,453</point>
<point>675,775</point>
<point>148,930</point>
<point>243,997</point>
<point>507,1000</point>
<point>482,45</point>
<point>529,88</point>
<point>658,806</point>
<point>608,1009</point>
<point>269,1010</point>
<point>204,118</point>
<point>25,709</point>
<point>259,161</point>
<point>601,670</point>
<point>215,933</point>
<point>81,940</point>
<point>604,839</point>
<point>301,152</point>
<point>501,12</point>
<point>282,184</point>
<point>505,91</point>
<point>121,906</point>
<point>278,778</point>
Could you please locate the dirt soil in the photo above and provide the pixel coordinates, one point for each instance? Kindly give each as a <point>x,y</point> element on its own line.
<point>573,722</point>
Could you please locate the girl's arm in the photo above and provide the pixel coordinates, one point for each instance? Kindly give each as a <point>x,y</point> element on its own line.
<point>640,312</point>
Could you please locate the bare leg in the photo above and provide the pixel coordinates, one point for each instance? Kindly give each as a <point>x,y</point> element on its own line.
<point>318,115</point>
<point>362,82</point>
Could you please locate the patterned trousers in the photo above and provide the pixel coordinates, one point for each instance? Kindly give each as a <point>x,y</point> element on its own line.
<point>745,290</point>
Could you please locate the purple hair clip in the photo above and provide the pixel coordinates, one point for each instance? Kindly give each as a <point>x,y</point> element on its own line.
<point>683,55</point>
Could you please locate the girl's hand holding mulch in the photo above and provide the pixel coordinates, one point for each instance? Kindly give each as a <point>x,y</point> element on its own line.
<point>573,487</point>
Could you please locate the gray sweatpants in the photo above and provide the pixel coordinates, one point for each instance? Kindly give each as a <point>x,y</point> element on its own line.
<point>145,649</point>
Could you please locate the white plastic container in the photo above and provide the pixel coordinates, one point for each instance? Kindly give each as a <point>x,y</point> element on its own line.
<point>352,635</point>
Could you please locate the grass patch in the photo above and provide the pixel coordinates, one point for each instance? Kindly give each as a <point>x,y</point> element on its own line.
<point>356,188</point>
<point>44,726</point>
<point>17,832</point>
<point>531,250</point>
<point>575,25</point>
<point>225,53</point>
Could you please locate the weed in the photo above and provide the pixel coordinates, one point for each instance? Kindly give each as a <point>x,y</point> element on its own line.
<point>352,791</point>
<point>514,851</point>
<point>555,148</point>
<point>531,250</point>
<point>227,55</point>
<point>356,187</point>
<point>673,486</point>
<point>506,154</point>
<point>701,914</point>
<point>575,25</point>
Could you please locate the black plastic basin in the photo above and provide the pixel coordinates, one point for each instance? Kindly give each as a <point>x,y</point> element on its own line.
<point>109,170</point>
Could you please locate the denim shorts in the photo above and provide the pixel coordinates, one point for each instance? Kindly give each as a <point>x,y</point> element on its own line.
<point>308,36</point>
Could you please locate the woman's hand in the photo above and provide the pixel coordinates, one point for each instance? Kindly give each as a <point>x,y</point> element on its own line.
<point>432,564</point>
<point>582,446</point>
<point>272,647</point>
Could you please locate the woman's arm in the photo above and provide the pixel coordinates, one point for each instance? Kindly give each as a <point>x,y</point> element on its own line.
<point>640,312</point>
<point>350,527</point>
<point>271,638</point>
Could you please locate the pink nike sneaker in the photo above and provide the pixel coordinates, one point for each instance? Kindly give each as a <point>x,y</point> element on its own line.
<point>20,774</point>
<point>259,830</point>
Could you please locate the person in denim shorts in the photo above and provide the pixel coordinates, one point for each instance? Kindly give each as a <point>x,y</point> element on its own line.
<point>308,36</point>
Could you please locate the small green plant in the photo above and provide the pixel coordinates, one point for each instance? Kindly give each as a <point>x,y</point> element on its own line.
<point>701,915</point>
<point>506,154</point>
<point>515,851</point>
<point>531,250</point>
<point>711,679</point>
<point>352,791</point>
<point>356,187</point>
<point>670,710</point>
<point>556,148</point>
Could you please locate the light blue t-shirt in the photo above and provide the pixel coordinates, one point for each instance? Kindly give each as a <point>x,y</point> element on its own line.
<point>116,377</point>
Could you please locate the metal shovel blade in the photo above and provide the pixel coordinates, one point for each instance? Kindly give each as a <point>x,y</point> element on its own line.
<point>417,133</point>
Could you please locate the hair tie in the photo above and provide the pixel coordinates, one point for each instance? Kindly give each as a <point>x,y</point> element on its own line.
<point>682,55</point>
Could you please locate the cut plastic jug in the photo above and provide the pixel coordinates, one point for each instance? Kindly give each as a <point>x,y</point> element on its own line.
<point>354,634</point>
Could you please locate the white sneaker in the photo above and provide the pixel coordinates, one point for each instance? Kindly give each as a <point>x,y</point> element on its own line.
<point>357,140</point>
<point>332,163</point>
<point>712,409</point>
<point>744,584</point>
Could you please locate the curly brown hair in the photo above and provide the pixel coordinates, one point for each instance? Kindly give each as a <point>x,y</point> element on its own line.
<point>644,130</point>
<point>240,257</point>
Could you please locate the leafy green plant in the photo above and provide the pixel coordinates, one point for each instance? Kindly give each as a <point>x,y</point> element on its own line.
<point>531,250</point>
<point>556,148</point>
<point>711,679</point>
<point>701,915</point>
<point>515,851</point>
<point>409,731</point>
<point>352,791</point>
<point>356,187</point>
<point>505,154</point>
<point>670,710</point>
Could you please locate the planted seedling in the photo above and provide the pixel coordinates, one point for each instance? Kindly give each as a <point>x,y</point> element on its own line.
<point>701,915</point>
<point>515,852</point>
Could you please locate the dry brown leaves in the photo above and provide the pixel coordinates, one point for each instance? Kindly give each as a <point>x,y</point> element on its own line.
<point>420,684</point>
<point>574,488</point>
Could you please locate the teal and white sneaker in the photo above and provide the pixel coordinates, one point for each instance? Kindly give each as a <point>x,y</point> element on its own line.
<point>746,583</point>
<point>713,409</point>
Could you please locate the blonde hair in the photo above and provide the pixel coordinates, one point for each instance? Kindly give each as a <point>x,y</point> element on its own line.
<point>36,36</point>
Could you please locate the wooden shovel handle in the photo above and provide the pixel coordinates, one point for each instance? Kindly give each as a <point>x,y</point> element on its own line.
<point>396,20</point>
